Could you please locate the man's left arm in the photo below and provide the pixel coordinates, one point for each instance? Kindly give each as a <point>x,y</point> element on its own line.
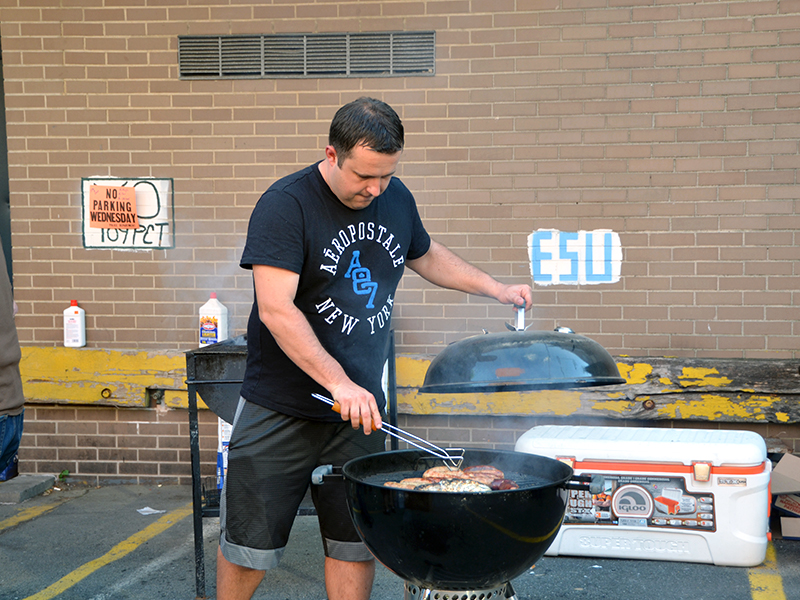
<point>442,267</point>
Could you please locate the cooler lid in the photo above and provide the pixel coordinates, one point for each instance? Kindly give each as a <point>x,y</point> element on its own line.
<point>645,444</point>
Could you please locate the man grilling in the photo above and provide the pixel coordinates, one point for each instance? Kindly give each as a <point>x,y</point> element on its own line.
<point>327,246</point>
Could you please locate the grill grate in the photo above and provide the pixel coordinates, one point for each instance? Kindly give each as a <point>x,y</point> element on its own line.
<point>307,55</point>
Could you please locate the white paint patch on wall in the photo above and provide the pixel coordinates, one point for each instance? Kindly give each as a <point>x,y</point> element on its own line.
<point>575,258</point>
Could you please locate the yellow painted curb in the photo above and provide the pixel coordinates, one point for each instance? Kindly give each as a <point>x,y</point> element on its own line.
<point>765,580</point>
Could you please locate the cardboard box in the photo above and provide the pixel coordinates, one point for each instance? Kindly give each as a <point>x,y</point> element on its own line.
<point>224,430</point>
<point>788,504</point>
<point>786,476</point>
<point>790,528</point>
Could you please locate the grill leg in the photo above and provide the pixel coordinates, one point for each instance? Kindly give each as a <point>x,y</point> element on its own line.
<point>197,501</point>
<point>510,593</point>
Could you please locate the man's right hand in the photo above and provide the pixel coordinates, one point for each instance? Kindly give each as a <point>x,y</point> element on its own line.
<point>358,406</point>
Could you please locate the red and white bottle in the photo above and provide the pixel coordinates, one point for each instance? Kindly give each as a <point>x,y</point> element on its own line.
<point>74,326</point>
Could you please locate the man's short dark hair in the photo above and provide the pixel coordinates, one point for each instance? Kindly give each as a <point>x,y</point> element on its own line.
<point>366,122</point>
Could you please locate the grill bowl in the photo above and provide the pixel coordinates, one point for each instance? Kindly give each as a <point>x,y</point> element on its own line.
<point>457,541</point>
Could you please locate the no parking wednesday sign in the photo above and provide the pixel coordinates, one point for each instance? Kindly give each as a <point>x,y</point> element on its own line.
<point>127,214</point>
<point>111,206</point>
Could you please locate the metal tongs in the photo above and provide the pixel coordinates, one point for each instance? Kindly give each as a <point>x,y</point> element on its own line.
<point>452,461</point>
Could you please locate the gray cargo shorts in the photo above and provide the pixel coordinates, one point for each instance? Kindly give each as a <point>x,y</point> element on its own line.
<point>270,460</point>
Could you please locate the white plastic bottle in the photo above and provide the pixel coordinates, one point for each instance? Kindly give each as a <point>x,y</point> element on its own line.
<point>213,321</point>
<point>74,325</point>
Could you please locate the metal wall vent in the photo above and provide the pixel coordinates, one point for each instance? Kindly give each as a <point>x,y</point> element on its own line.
<point>318,55</point>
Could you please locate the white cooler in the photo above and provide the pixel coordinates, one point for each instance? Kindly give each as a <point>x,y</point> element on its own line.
<point>692,495</point>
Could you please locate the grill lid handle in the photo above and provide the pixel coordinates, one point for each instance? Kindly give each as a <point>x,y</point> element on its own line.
<point>320,473</point>
<point>594,483</point>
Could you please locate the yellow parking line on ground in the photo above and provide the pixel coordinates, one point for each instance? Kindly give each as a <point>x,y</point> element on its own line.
<point>122,549</point>
<point>765,580</point>
<point>26,515</point>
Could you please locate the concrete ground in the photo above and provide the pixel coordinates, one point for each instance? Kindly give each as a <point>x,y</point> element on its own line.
<point>126,542</point>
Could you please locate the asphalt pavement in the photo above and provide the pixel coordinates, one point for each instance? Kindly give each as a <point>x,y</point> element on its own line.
<point>137,542</point>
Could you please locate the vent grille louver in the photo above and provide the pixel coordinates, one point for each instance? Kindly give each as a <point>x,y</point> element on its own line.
<point>375,54</point>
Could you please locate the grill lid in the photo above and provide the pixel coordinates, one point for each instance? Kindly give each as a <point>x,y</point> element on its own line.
<point>520,361</point>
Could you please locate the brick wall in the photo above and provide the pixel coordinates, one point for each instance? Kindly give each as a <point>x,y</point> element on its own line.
<point>107,445</point>
<point>104,445</point>
<point>673,124</point>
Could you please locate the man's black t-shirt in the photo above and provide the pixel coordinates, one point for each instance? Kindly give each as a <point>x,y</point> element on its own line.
<point>349,263</point>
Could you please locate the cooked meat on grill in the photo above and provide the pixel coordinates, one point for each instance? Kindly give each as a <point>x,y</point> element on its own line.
<point>484,478</point>
<point>485,469</point>
<point>454,485</point>
<point>409,483</point>
<point>444,473</point>
<point>484,473</point>
<point>504,484</point>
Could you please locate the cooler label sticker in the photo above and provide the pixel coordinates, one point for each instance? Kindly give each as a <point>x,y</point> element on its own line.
<point>642,501</point>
